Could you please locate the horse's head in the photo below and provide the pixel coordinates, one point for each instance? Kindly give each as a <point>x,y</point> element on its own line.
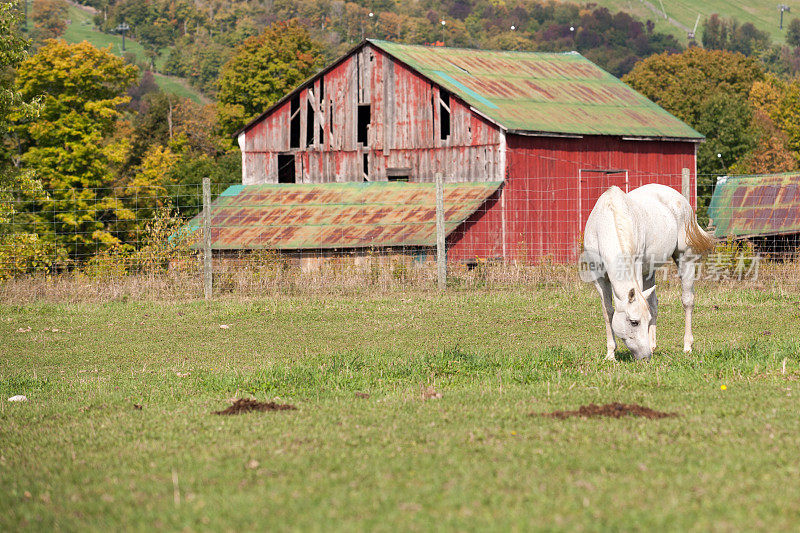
<point>631,322</point>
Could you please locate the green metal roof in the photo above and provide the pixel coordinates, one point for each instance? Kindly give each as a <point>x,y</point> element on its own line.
<point>338,215</point>
<point>541,92</point>
<point>750,206</point>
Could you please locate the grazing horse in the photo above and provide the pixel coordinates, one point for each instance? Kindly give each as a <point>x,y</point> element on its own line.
<point>627,237</point>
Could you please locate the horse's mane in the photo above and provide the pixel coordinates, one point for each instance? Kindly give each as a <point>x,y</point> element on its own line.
<point>623,222</point>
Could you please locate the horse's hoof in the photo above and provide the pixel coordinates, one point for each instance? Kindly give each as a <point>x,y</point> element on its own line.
<point>610,357</point>
<point>687,349</point>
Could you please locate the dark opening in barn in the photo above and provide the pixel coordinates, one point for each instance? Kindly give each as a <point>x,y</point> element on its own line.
<point>322,110</point>
<point>286,168</point>
<point>366,167</point>
<point>310,140</point>
<point>398,174</point>
<point>444,114</point>
<point>294,126</point>
<point>363,124</point>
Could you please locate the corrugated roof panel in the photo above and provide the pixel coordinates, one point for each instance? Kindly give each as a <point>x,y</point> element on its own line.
<point>542,92</point>
<point>751,206</point>
<point>338,215</point>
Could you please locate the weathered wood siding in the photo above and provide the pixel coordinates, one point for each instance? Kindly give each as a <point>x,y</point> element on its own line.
<point>403,130</point>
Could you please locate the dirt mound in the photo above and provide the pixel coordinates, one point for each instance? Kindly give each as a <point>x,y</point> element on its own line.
<point>245,405</point>
<point>610,410</point>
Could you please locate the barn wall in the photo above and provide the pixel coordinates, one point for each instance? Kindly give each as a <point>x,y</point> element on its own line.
<point>544,204</point>
<point>404,131</point>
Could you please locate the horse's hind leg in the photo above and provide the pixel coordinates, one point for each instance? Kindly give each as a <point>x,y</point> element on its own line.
<point>652,301</point>
<point>686,272</point>
<point>603,286</point>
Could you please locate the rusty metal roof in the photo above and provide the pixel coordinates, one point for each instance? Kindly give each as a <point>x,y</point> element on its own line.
<point>338,215</point>
<point>541,92</point>
<point>749,206</point>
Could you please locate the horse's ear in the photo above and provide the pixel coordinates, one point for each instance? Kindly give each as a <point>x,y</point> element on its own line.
<point>648,292</point>
<point>631,296</point>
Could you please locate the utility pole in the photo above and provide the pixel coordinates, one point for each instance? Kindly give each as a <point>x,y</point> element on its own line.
<point>782,8</point>
<point>122,28</point>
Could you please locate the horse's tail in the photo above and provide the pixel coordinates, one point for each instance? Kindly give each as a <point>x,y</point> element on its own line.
<point>700,241</point>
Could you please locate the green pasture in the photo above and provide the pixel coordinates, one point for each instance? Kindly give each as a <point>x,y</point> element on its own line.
<point>763,14</point>
<point>79,455</point>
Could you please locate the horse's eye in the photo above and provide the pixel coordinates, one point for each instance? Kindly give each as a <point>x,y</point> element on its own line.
<point>634,323</point>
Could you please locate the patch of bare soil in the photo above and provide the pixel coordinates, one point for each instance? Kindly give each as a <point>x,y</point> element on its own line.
<point>245,405</point>
<point>610,410</point>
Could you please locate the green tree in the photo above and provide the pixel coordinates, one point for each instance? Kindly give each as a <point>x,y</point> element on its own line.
<point>682,83</point>
<point>71,146</point>
<point>793,33</point>
<point>264,69</point>
<point>709,89</point>
<point>20,251</point>
<point>13,105</point>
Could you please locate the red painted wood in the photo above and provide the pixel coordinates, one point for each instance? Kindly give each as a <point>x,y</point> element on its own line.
<point>543,191</point>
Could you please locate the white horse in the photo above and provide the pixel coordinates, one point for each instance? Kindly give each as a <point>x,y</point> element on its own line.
<point>628,236</point>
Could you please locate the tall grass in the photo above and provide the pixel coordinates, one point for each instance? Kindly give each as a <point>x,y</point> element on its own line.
<point>256,276</point>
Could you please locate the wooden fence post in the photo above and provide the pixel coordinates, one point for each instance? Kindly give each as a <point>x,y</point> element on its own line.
<point>441,254</point>
<point>685,180</point>
<point>207,266</point>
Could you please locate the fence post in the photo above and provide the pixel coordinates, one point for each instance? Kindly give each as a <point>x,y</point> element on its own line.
<point>207,266</point>
<point>441,255</point>
<point>685,189</point>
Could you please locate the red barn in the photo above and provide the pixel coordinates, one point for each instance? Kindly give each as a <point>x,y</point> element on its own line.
<point>550,131</point>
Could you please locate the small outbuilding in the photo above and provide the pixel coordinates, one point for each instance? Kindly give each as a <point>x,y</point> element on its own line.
<point>544,133</point>
<point>764,208</point>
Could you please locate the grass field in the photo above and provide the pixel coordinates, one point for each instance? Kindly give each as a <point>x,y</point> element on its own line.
<point>764,14</point>
<point>79,455</point>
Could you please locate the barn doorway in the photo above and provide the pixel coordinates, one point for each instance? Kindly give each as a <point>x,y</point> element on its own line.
<point>592,182</point>
<point>286,168</point>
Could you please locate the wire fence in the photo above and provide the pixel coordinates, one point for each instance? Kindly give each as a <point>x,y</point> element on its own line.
<point>291,237</point>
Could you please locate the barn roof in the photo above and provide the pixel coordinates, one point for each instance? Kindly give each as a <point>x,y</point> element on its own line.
<point>532,92</point>
<point>750,206</point>
<point>541,92</point>
<point>338,215</point>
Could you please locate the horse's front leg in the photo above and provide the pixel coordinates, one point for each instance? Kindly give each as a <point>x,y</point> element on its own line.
<point>603,286</point>
<point>652,302</point>
<point>686,273</point>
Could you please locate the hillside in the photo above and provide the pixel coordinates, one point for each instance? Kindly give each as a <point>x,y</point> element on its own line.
<point>682,14</point>
<point>82,28</point>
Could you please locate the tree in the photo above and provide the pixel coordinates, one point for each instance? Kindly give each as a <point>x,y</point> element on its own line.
<point>682,83</point>
<point>68,146</point>
<point>263,70</point>
<point>49,19</point>
<point>13,105</point>
<point>771,153</point>
<point>20,251</point>
<point>793,33</point>
<point>727,34</point>
<point>726,121</point>
<point>708,89</point>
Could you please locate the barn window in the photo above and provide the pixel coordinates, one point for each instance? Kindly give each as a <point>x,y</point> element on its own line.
<point>444,114</point>
<point>294,125</point>
<point>286,168</point>
<point>363,124</point>
<point>365,166</point>
<point>310,129</point>
<point>398,174</point>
